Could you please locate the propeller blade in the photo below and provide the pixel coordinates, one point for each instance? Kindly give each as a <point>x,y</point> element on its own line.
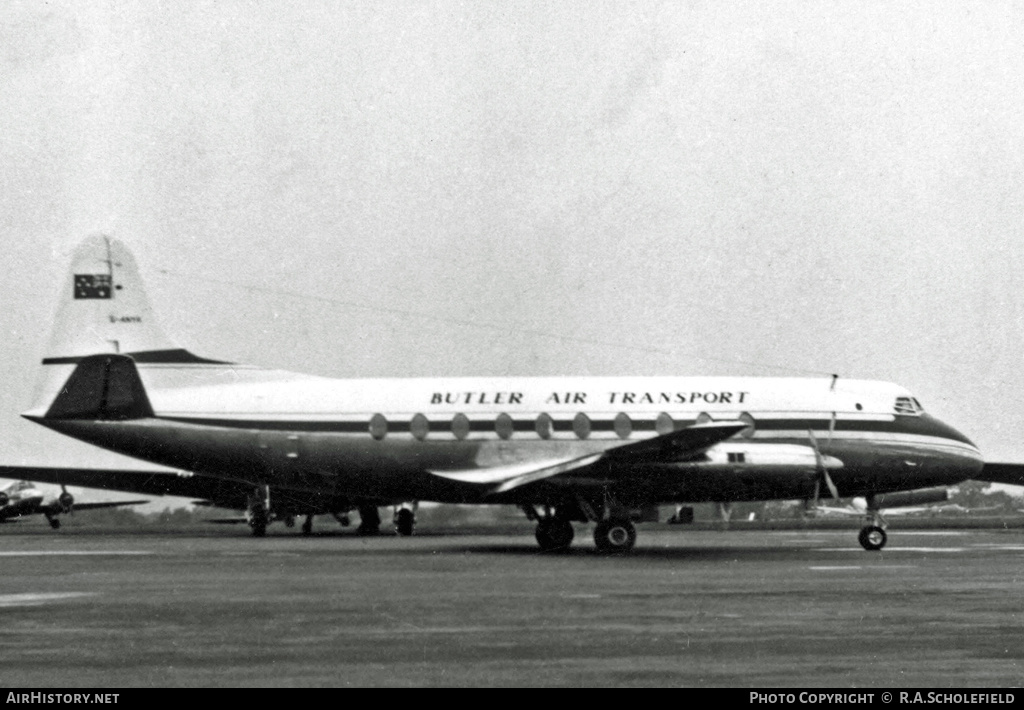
<point>822,472</point>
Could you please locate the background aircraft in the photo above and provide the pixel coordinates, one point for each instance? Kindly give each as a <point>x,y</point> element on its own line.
<point>215,492</point>
<point>23,498</point>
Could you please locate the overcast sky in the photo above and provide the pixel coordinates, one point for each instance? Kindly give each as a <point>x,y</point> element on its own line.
<point>531,188</point>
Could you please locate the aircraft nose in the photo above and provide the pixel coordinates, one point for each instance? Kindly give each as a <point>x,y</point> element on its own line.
<point>940,428</point>
<point>961,450</point>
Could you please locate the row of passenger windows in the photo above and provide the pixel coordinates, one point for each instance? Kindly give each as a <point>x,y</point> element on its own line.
<point>543,426</point>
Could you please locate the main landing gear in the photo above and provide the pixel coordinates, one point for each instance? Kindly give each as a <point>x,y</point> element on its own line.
<point>258,511</point>
<point>404,518</point>
<point>554,534</point>
<point>614,533</point>
<point>369,520</point>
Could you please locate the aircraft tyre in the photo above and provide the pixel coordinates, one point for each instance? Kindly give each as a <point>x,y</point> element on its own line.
<point>258,520</point>
<point>369,520</point>
<point>405,520</point>
<point>54,523</point>
<point>615,535</point>
<point>307,525</point>
<point>872,537</point>
<point>554,535</point>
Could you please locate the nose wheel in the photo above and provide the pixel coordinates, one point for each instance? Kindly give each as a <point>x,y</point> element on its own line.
<point>872,537</point>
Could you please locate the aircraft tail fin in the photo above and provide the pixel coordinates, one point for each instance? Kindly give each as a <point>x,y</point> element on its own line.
<point>103,309</point>
<point>103,306</point>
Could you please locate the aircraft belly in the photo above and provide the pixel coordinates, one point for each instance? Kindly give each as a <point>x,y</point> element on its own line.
<point>343,464</point>
<point>395,468</point>
<point>696,482</point>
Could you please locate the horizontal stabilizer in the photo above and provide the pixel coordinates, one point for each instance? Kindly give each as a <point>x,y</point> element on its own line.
<point>1012,473</point>
<point>104,387</point>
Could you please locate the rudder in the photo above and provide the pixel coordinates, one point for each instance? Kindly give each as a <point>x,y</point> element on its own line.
<point>103,306</point>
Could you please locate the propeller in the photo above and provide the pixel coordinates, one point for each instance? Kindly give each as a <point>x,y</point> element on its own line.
<point>822,473</point>
<point>66,500</point>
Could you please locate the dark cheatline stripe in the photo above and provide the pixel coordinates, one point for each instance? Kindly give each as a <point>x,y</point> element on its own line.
<point>923,425</point>
<point>279,425</point>
<point>178,356</point>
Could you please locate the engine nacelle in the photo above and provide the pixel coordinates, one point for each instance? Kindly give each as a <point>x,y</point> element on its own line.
<point>923,496</point>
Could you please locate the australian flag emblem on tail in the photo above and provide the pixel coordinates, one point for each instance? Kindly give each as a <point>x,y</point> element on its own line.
<point>92,286</point>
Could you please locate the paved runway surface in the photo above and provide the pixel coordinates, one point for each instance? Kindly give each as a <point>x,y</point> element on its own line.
<point>87,607</point>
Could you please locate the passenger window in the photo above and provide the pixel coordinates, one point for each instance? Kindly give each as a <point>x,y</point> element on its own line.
<point>581,425</point>
<point>419,427</point>
<point>460,426</point>
<point>623,425</point>
<point>543,426</point>
<point>751,426</point>
<point>664,424</point>
<point>503,425</point>
<point>378,426</point>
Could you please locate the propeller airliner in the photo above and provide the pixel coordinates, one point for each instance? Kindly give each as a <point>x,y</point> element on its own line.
<point>22,498</point>
<point>567,450</point>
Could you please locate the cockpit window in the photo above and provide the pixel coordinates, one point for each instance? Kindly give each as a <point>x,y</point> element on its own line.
<point>908,405</point>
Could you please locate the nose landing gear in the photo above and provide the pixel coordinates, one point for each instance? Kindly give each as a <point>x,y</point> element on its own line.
<point>872,536</point>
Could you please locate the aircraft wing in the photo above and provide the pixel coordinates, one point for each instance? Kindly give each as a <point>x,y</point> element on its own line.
<point>1012,473</point>
<point>677,445</point>
<point>107,504</point>
<point>153,483</point>
<point>831,510</point>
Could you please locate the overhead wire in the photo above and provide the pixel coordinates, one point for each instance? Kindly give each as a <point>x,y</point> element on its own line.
<point>501,329</point>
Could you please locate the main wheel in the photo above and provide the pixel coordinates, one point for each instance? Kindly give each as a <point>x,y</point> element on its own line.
<point>404,522</point>
<point>554,534</point>
<point>258,520</point>
<point>369,520</point>
<point>54,523</point>
<point>872,537</point>
<point>615,535</point>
